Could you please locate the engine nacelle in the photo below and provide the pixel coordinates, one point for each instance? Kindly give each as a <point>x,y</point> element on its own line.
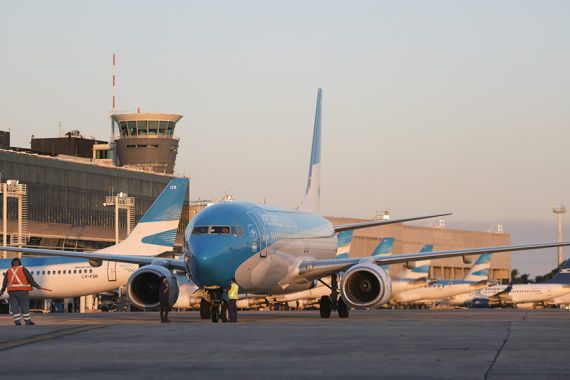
<point>143,285</point>
<point>365,285</point>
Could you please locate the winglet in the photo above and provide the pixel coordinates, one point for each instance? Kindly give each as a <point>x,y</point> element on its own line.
<point>312,200</point>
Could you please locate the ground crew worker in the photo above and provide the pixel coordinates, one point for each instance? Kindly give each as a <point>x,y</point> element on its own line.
<point>19,282</point>
<point>233,297</point>
<point>164,297</point>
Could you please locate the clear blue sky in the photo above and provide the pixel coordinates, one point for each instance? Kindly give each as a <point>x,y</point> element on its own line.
<point>428,106</point>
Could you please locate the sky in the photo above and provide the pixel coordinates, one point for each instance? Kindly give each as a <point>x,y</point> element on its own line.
<point>440,106</point>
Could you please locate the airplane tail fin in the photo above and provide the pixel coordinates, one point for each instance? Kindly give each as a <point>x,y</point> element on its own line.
<point>384,248</point>
<point>421,270</point>
<point>563,274</point>
<point>156,231</point>
<point>312,200</point>
<point>480,270</point>
<point>344,243</point>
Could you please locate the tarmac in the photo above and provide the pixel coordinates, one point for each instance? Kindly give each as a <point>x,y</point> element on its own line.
<point>466,344</point>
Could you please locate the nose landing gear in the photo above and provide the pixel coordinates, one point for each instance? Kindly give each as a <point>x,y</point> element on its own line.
<point>216,309</point>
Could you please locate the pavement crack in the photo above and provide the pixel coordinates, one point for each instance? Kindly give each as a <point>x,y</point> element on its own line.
<point>51,335</point>
<point>498,351</point>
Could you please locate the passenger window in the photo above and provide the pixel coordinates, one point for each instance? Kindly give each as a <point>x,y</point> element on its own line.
<point>79,270</point>
<point>223,230</point>
<point>58,272</point>
<point>74,271</point>
<point>200,230</point>
<point>43,272</point>
<point>90,270</point>
<point>49,272</point>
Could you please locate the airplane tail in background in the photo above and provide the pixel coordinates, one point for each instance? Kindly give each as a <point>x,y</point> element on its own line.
<point>563,274</point>
<point>312,200</point>
<point>156,231</point>
<point>344,243</point>
<point>421,270</point>
<point>384,248</point>
<point>480,270</point>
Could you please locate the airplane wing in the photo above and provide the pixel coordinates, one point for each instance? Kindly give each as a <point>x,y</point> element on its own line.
<point>315,269</point>
<point>140,260</point>
<point>373,223</point>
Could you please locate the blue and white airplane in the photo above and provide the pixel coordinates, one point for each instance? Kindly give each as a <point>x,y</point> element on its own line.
<point>75,277</point>
<point>476,279</point>
<point>270,250</point>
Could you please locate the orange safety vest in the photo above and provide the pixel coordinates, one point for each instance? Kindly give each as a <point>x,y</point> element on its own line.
<point>17,279</point>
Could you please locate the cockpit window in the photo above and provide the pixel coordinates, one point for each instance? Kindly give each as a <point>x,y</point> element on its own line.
<point>200,230</point>
<point>224,230</point>
<point>238,231</point>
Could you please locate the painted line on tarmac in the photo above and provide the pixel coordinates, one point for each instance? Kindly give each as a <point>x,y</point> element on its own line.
<point>52,335</point>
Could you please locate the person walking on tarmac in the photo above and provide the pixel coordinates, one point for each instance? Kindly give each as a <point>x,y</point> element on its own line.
<point>233,296</point>
<point>19,282</point>
<point>164,297</point>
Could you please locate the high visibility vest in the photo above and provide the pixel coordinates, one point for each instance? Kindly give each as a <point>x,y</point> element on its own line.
<point>17,279</point>
<point>233,292</point>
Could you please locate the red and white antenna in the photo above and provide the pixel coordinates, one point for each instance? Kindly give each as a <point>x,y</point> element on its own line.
<point>114,84</point>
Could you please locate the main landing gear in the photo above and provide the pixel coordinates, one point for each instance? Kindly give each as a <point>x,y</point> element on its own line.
<point>334,302</point>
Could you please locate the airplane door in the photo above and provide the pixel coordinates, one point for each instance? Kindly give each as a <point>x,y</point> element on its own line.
<point>257,228</point>
<point>112,270</point>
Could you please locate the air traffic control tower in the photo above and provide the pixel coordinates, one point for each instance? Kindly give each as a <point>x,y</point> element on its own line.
<point>146,141</point>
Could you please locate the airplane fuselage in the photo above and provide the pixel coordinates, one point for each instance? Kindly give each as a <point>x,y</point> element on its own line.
<point>70,277</point>
<point>260,246</point>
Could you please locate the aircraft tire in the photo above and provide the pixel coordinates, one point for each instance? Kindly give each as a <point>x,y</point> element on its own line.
<point>205,312</point>
<point>215,314</point>
<point>224,315</point>
<point>343,310</point>
<point>325,307</point>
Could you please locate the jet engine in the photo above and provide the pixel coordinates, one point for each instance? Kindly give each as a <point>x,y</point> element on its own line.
<point>143,285</point>
<point>365,285</point>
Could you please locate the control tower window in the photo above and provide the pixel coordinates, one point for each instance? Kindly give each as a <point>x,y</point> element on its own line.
<point>141,125</point>
<point>132,126</point>
<point>123,126</point>
<point>152,127</point>
<point>163,128</point>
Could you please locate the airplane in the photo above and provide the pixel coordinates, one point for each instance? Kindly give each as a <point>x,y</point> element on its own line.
<point>270,250</point>
<point>75,277</point>
<point>476,279</point>
<point>413,277</point>
<point>555,291</point>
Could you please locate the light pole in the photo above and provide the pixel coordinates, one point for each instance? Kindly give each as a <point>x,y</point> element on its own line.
<point>121,201</point>
<point>559,211</point>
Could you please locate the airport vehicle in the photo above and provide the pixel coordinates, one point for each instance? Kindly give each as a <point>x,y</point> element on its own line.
<point>74,277</point>
<point>556,291</point>
<point>476,279</point>
<point>270,250</point>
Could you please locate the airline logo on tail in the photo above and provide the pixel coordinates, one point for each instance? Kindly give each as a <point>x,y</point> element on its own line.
<point>312,200</point>
<point>421,270</point>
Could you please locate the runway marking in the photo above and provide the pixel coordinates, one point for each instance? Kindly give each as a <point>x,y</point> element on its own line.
<point>51,335</point>
<point>499,351</point>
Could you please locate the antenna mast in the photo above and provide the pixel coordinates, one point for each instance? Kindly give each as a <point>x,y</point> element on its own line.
<point>113,93</point>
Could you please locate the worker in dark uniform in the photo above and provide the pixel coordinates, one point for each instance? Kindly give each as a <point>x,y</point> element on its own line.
<point>164,298</point>
<point>233,297</point>
<point>19,282</point>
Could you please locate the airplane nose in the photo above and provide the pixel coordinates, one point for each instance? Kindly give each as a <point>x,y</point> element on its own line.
<point>207,263</point>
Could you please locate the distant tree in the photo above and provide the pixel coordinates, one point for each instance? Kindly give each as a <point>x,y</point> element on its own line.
<point>519,279</point>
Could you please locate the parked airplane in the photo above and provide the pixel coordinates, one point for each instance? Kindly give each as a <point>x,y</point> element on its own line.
<point>270,250</point>
<point>476,279</point>
<point>74,277</point>
<point>556,289</point>
<point>413,277</point>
